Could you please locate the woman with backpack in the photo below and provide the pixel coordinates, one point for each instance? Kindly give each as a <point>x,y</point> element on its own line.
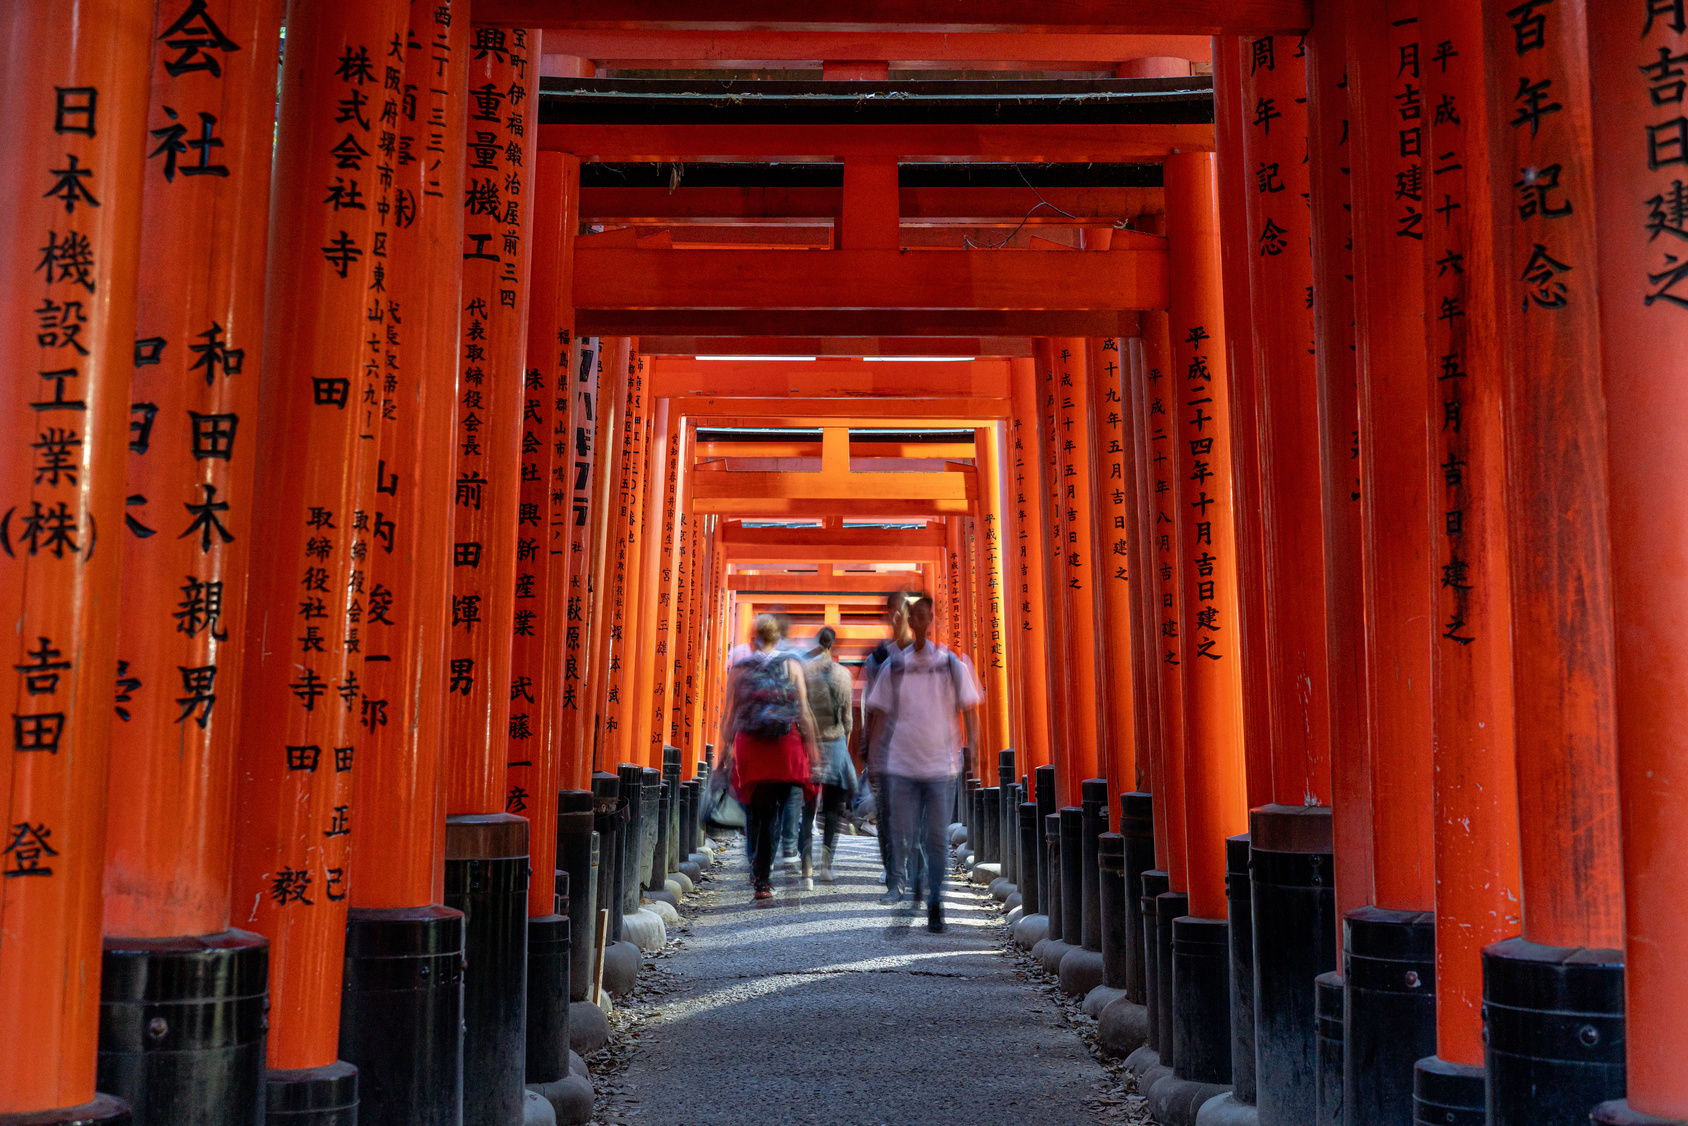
<point>829,691</point>
<point>772,733</point>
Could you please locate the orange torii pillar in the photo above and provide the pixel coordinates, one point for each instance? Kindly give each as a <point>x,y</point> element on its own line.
<point>1113,497</point>
<point>613,683</point>
<point>487,848</point>
<point>1639,160</point>
<point>574,478</point>
<point>992,657</point>
<point>304,718</point>
<point>671,596</point>
<point>687,584</point>
<point>1030,595</point>
<point>1563,670</point>
<point>534,745</point>
<point>1054,543</point>
<point>1476,790</point>
<point>1087,731</point>
<point>1290,897</point>
<point>644,743</point>
<point>72,189</point>
<point>398,895</point>
<point>1390,1005</point>
<point>205,223</point>
<point>614,355</point>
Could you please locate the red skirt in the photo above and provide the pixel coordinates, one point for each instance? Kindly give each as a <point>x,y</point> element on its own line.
<point>760,760</point>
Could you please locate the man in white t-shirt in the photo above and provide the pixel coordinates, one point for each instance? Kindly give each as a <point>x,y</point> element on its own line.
<point>917,700</point>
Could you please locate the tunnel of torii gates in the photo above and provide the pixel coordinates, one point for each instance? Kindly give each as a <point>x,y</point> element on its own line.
<point>1284,401</point>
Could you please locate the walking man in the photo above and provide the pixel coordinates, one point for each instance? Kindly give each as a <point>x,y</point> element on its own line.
<point>873,749</point>
<point>918,697</point>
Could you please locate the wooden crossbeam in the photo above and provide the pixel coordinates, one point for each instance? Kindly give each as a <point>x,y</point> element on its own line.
<point>850,590</point>
<point>857,412</point>
<point>849,346</point>
<point>985,206</point>
<point>856,322</point>
<point>829,378</point>
<point>645,49</point>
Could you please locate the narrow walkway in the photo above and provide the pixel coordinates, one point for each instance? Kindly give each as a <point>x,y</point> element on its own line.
<point>825,1007</point>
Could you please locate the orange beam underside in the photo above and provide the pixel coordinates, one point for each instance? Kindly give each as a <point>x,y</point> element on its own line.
<point>638,48</point>
<point>1045,143</point>
<point>982,346</point>
<point>857,413</point>
<point>676,375</point>
<point>976,206</point>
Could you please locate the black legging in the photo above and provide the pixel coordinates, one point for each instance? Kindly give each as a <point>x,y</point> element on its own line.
<point>763,814</point>
<point>831,801</point>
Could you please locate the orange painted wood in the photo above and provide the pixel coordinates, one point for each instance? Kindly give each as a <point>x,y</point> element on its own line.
<point>1215,782</point>
<point>1031,595</point>
<point>76,104</point>
<point>1113,472</point>
<point>533,749</point>
<point>493,323</point>
<point>1133,278</point>
<point>1145,676</point>
<point>828,378</point>
<point>1476,791</point>
<point>647,629</point>
<point>1092,741</point>
<point>1054,554</point>
<point>1291,582</point>
<point>613,388</point>
<point>1238,249</point>
<point>1160,393</point>
<point>1165,17</point>
<point>1554,406</point>
<point>982,206</point>
<point>1384,69</point>
<point>408,608</point>
<point>1330,151</point>
<point>168,844</point>
<point>702,49</point>
<point>689,581</point>
<point>868,218</point>
<point>992,656</point>
<point>1641,305</point>
<point>584,516</point>
<point>625,522</point>
<point>304,723</point>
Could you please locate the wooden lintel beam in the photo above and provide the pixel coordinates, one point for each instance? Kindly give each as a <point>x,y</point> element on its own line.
<point>894,540</point>
<point>796,507</point>
<point>704,50</point>
<point>958,486</point>
<point>843,346</point>
<point>857,322</point>
<point>997,280</point>
<point>873,414</point>
<point>850,590</point>
<point>813,450</point>
<point>1057,144</point>
<point>958,205</point>
<point>829,378</point>
<point>875,17</point>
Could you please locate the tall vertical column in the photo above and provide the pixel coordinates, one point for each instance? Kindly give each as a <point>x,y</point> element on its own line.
<point>306,707</point>
<point>487,848</point>
<point>1076,489</point>
<point>1140,577</point>
<point>72,187</point>
<point>1390,1018</point>
<point>397,928</point>
<point>1642,220</point>
<point>992,657</point>
<point>1215,780</point>
<point>1114,498</point>
<point>1054,540</point>
<point>1029,592</point>
<point>1563,671</point>
<point>671,598</point>
<point>573,473</point>
<point>621,557</point>
<point>1476,792</point>
<point>645,594</point>
<point>613,356</point>
<point>200,314</point>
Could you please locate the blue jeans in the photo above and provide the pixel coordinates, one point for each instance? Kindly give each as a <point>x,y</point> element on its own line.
<point>920,810</point>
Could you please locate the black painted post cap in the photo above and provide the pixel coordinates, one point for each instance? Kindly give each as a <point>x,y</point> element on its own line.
<point>1052,828</point>
<point>1110,852</point>
<point>574,801</point>
<point>1093,791</point>
<point>1028,814</point>
<point>1137,814</point>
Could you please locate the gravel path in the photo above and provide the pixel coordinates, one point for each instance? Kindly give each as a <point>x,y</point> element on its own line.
<point>825,1007</point>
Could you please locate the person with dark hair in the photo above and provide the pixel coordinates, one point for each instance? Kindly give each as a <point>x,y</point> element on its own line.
<point>829,688</point>
<point>772,733</point>
<point>873,753</point>
<point>916,699</point>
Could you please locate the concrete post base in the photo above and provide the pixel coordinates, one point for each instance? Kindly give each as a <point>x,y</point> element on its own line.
<point>1122,1029</point>
<point>1080,971</point>
<point>645,928</point>
<point>662,896</point>
<point>1227,1111</point>
<point>985,874</point>
<point>1100,998</point>
<point>957,832</point>
<point>1031,930</point>
<point>680,884</point>
<point>1012,903</point>
<point>536,1110</point>
<point>1012,917</point>
<point>1054,949</point>
<point>589,1028</point>
<point>1001,888</point>
<point>1617,1113</point>
<point>571,1096</point>
<point>663,910</point>
<point>621,967</point>
<point>692,870</point>
<point>1176,1102</point>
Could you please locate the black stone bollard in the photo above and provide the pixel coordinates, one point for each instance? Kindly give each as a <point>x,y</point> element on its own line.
<point>1327,1050</point>
<point>1451,1094</point>
<point>1201,999</point>
<point>182,1027</point>
<point>650,797</point>
<point>1294,914</point>
<point>1169,905</point>
<point>1553,1023</point>
<point>606,821</point>
<point>671,778</point>
<point>574,854</point>
<point>1052,847</point>
<point>305,1096</point>
<point>1389,1011</point>
<point>1137,826</point>
<point>1043,787</point>
<point>1239,905</point>
<point>548,990</point>
<point>990,806</point>
<point>1072,874</point>
<point>1030,903</point>
<point>1093,822</point>
<point>971,815</point>
<point>631,844</point>
<point>1110,863</point>
<point>1007,817</point>
<point>486,878</point>
<point>657,877</point>
<point>688,819</point>
<point>401,1014</point>
<point>1152,885</point>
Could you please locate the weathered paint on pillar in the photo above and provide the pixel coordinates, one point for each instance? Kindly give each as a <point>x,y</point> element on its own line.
<point>71,185</point>
<point>1145,648</point>
<point>584,515</point>
<point>408,605</point>
<point>1240,247</point>
<point>1215,781</point>
<point>1556,498</point>
<point>1114,508</point>
<point>1476,793</point>
<point>1030,593</point>
<point>645,593</point>
<point>1275,140</point>
<point>1330,150</point>
<point>205,226</point>
<point>991,660</point>
<point>497,247</point>
<point>615,354</point>
<point>671,644</point>
<point>306,715</point>
<point>1054,542</point>
<point>534,747</point>
<point>1092,740</point>
<point>614,683</point>
<point>1386,88</point>
<point>1636,52</point>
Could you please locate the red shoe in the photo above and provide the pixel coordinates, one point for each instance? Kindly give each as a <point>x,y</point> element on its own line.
<point>764,890</point>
